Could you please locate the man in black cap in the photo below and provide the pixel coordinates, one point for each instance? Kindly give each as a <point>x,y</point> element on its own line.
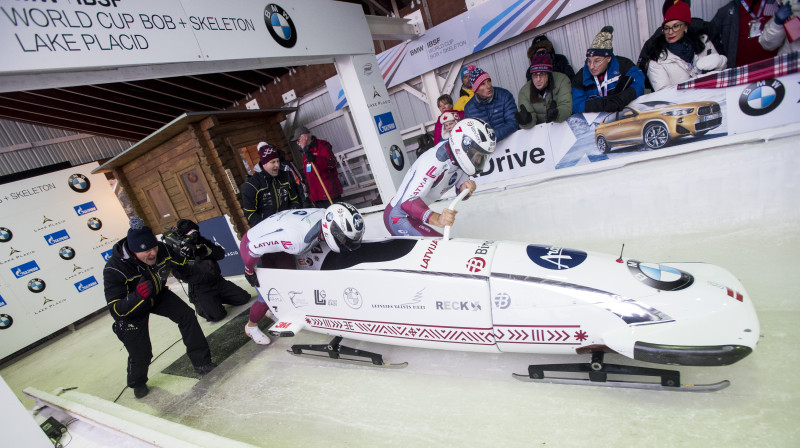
<point>134,280</point>
<point>269,189</point>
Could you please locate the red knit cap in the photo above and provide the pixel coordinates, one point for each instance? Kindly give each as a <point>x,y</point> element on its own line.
<point>266,152</point>
<point>678,11</point>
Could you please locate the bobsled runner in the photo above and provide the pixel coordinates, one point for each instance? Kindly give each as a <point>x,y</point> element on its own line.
<point>503,296</point>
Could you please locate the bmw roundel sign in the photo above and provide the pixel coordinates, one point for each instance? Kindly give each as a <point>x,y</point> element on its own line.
<point>280,25</point>
<point>762,97</point>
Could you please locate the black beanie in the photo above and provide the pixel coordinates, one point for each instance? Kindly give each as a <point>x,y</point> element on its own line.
<point>140,237</point>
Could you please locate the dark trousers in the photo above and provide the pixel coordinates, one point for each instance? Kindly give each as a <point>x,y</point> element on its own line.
<point>135,335</point>
<point>209,297</point>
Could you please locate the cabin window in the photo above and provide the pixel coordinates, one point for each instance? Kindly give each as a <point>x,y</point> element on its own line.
<point>160,202</point>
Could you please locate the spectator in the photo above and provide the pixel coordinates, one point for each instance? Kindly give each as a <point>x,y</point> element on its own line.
<point>285,234</point>
<point>445,104</point>
<point>134,280</point>
<point>547,97</point>
<point>560,62</point>
<point>697,25</point>
<point>319,164</point>
<point>434,173</point>
<point>208,289</point>
<point>607,82</point>
<point>774,35</point>
<point>465,93</point>
<point>739,24</point>
<point>268,189</point>
<point>446,122</point>
<point>679,54</point>
<point>494,105</point>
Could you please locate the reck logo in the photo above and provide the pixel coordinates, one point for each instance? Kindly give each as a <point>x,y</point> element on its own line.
<point>56,237</point>
<point>458,306</point>
<point>85,209</point>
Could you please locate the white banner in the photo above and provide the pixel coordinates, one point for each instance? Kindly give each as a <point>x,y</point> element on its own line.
<point>56,232</point>
<point>109,33</point>
<point>764,104</point>
<point>524,153</point>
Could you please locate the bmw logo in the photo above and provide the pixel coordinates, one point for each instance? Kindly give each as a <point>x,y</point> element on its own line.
<point>358,222</point>
<point>398,161</point>
<point>300,212</point>
<point>659,276</point>
<point>329,217</point>
<point>67,253</point>
<point>36,285</point>
<point>5,235</point>
<point>5,321</point>
<point>280,26</point>
<point>94,223</point>
<point>79,182</point>
<point>762,97</point>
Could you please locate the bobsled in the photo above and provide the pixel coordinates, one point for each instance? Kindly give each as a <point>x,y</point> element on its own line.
<point>505,296</point>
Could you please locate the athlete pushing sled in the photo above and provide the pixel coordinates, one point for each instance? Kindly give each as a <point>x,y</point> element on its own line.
<point>295,232</point>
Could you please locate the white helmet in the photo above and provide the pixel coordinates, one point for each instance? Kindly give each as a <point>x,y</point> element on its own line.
<point>342,227</point>
<point>471,141</point>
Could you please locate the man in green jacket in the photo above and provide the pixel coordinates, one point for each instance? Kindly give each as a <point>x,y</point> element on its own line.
<point>547,97</point>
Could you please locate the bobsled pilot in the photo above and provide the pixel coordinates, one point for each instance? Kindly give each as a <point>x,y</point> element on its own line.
<point>134,279</point>
<point>208,289</point>
<point>447,165</point>
<point>279,238</point>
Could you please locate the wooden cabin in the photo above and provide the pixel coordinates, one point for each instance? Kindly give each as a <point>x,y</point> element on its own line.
<point>192,168</point>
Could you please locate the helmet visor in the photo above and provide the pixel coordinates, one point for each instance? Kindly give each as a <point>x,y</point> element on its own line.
<point>476,153</point>
<point>343,240</point>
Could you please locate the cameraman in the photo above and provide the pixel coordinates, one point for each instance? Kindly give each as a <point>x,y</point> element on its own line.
<point>208,289</point>
<point>134,281</point>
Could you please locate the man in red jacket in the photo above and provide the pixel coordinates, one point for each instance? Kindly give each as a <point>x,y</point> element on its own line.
<point>319,167</point>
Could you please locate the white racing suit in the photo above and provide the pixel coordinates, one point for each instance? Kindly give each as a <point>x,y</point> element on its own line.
<point>432,175</point>
<point>291,231</point>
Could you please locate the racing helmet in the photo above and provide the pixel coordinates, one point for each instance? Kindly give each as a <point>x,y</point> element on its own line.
<point>472,141</point>
<point>342,227</point>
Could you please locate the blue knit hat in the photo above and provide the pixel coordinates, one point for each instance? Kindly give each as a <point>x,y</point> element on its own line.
<point>140,237</point>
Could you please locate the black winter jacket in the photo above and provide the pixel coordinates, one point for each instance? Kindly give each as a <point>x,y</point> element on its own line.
<point>123,272</point>
<point>205,268</point>
<point>264,195</point>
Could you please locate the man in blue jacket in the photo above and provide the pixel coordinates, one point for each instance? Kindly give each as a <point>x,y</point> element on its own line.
<point>606,83</point>
<point>494,105</point>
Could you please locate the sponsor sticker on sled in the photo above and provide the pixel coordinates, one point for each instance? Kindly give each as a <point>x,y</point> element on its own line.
<point>554,257</point>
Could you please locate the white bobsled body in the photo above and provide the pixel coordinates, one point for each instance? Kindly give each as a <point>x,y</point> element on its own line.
<point>474,295</point>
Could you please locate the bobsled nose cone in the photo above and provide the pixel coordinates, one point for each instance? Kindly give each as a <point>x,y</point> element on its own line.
<point>721,355</point>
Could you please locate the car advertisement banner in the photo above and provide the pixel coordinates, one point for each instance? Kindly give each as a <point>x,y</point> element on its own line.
<point>763,104</point>
<point>56,233</point>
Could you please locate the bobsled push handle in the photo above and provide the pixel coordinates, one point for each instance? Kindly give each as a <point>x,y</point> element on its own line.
<point>452,206</point>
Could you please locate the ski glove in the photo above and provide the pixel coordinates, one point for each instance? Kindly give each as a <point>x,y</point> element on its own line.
<point>552,112</point>
<point>523,116</point>
<point>252,279</point>
<point>146,289</point>
<point>783,13</point>
<point>311,157</point>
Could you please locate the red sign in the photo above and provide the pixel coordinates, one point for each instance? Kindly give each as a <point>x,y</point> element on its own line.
<point>476,264</point>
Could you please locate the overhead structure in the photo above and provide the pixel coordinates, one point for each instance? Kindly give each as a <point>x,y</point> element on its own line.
<point>128,43</point>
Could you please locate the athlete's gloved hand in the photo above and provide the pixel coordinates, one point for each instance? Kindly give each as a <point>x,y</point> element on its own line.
<point>252,279</point>
<point>523,116</point>
<point>783,13</point>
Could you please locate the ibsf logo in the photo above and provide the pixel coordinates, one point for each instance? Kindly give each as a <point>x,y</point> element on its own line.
<point>385,122</point>
<point>86,283</point>
<point>56,237</point>
<point>25,269</point>
<point>36,285</point>
<point>554,257</point>
<point>85,209</point>
<point>107,254</point>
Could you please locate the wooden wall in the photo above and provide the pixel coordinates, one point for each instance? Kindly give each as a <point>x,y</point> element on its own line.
<point>212,148</point>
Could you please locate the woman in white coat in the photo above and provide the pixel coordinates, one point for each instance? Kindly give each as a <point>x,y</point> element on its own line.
<point>680,54</point>
<point>774,34</point>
